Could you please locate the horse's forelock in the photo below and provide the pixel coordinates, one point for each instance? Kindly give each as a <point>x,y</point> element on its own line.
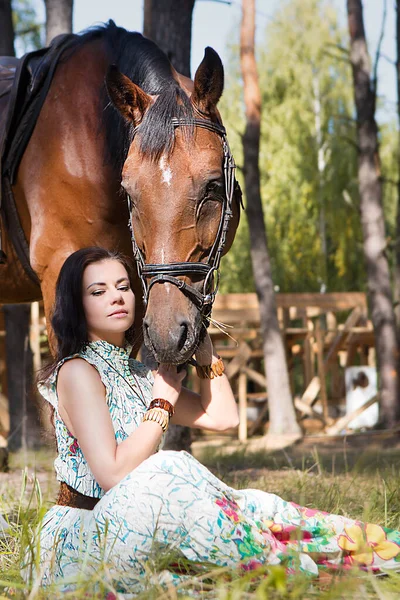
<point>156,132</point>
<point>147,65</point>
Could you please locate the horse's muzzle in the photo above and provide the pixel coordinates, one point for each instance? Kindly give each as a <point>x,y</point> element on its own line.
<point>174,344</point>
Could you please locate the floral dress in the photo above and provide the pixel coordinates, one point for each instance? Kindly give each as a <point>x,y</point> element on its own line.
<point>171,508</point>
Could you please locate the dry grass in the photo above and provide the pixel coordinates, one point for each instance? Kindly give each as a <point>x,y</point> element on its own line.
<point>360,484</point>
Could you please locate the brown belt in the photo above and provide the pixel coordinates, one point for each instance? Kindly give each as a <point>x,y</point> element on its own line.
<point>67,496</point>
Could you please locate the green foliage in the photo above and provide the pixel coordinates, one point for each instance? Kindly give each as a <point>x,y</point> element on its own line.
<point>28,31</point>
<point>308,157</point>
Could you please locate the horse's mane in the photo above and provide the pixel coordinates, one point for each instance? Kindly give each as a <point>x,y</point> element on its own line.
<point>147,65</point>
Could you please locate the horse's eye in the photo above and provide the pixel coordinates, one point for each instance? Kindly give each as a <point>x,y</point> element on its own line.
<point>214,190</point>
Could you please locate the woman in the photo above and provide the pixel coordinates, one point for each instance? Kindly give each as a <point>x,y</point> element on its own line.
<point>126,505</point>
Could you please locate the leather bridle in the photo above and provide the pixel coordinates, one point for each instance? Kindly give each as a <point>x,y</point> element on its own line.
<point>209,270</point>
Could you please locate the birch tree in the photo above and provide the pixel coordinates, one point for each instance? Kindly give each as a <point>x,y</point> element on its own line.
<point>282,415</point>
<point>372,217</point>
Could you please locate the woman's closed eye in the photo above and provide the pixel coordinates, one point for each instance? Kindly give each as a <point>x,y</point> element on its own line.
<point>122,288</point>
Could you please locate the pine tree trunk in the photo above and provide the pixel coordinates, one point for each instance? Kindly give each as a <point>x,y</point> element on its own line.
<point>24,420</point>
<point>169,24</point>
<point>25,429</point>
<point>397,263</point>
<point>58,18</point>
<point>282,415</point>
<point>372,218</point>
<point>6,29</point>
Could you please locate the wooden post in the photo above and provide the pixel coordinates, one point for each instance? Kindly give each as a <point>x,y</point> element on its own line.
<point>35,337</point>
<point>307,356</point>
<point>242,392</point>
<point>321,368</point>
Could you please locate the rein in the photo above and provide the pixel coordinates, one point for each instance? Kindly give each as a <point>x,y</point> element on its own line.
<point>209,270</point>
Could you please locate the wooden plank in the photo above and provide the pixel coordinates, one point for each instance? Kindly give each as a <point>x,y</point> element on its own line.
<point>334,302</point>
<point>344,421</point>
<point>254,426</point>
<point>240,359</point>
<point>255,376</point>
<point>4,415</point>
<point>242,390</point>
<point>34,337</point>
<point>351,321</point>
<point>321,368</point>
<point>306,409</point>
<point>312,391</point>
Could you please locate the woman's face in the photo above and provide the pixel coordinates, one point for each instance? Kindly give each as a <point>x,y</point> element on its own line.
<point>108,301</point>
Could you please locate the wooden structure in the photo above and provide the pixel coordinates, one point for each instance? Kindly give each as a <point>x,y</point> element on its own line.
<point>323,334</point>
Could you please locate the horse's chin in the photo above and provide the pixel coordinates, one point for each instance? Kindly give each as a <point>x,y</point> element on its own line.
<point>176,356</point>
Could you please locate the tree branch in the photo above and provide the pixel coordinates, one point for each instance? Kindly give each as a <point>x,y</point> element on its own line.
<point>378,49</point>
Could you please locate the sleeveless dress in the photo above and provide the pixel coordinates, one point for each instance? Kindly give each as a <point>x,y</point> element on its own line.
<point>171,509</point>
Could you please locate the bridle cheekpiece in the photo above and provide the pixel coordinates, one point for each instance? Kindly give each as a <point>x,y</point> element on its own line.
<point>150,274</point>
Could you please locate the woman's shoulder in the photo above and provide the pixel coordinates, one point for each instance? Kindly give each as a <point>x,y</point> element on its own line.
<point>76,367</point>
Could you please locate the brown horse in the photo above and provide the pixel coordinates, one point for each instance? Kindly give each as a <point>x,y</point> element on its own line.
<point>103,136</point>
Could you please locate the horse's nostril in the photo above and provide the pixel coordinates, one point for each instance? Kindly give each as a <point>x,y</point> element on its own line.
<point>183,335</point>
<point>146,328</point>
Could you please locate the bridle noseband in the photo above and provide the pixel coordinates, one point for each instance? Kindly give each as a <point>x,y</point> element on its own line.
<point>209,270</point>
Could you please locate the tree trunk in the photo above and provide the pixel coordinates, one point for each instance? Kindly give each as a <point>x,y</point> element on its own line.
<point>58,18</point>
<point>25,430</point>
<point>24,420</point>
<point>372,218</point>
<point>282,415</point>
<point>397,251</point>
<point>6,29</point>
<point>169,24</point>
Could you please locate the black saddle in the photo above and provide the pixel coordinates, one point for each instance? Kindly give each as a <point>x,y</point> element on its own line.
<point>24,84</point>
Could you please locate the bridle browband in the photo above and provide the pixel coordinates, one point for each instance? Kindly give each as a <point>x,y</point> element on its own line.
<point>169,273</point>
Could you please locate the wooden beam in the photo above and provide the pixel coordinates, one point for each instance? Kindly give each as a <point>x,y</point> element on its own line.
<point>307,409</point>
<point>333,302</point>
<point>351,321</point>
<point>34,337</point>
<point>242,391</point>
<point>319,336</point>
<point>255,376</point>
<point>240,359</point>
<point>344,421</point>
<point>312,391</point>
<point>255,425</point>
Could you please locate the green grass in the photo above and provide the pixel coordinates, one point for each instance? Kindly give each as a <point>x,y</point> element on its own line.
<point>363,485</point>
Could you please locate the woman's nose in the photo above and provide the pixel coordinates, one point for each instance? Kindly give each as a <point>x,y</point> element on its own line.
<point>117,297</point>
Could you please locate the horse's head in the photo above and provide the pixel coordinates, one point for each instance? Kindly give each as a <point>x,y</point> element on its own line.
<point>174,176</point>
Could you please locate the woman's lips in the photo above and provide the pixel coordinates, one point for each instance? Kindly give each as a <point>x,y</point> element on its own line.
<point>120,314</point>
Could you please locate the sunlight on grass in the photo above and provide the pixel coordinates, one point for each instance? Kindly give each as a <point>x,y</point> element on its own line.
<point>361,485</point>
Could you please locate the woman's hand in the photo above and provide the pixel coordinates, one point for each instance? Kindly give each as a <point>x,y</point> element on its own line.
<point>204,352</point>
<point>168,383</point>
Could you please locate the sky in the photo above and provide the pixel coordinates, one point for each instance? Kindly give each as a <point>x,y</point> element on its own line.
<point>214,24</point>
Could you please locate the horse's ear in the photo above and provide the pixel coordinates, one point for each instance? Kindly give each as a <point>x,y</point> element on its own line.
<point>131,101</point>
<point>208,82</point>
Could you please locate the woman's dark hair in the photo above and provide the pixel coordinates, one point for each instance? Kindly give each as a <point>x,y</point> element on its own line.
<point>68,318</point>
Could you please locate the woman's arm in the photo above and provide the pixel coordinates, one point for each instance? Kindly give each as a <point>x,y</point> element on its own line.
<point>215,407</point>
<point>83,408</point>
